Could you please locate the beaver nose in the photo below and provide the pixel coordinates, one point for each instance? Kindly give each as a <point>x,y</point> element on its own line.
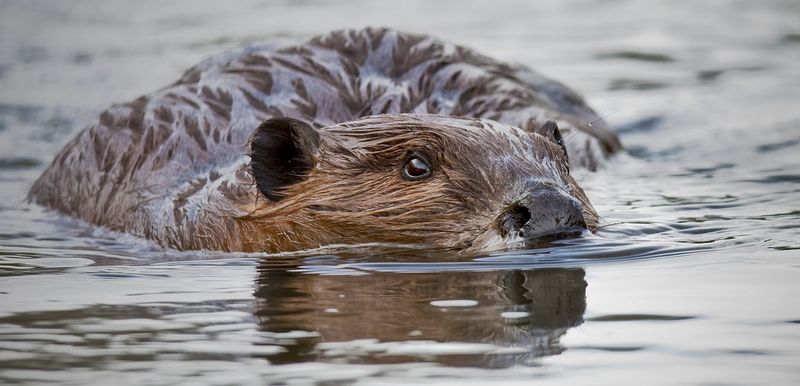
<point>545,213</point>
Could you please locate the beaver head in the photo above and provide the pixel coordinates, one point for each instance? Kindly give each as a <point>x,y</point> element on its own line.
<point>460,183</point>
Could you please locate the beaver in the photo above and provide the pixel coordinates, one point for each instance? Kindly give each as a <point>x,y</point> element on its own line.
<point>353,137</point>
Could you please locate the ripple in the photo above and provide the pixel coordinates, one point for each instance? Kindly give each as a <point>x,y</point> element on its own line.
<point>785,248</point>
<point>637,56</point>
<point>747,352</point>
<point>128,325</point>
<point>644,152</point>
<point>18,163</point>
<point>710,169</point>
<point>633,228</point>
<point>639,318</point>
<point>791,38</point>
<point>777,179</point>
<point>635,84</point>
<point>711,75</point>
<point>642,125</point>
<point>770,147</point>
<point>414,348</point>
<point>698,200</point>
<point>24,113</point>
<point>528,259</point>
<point>610,348</point>
<point>218,347</point>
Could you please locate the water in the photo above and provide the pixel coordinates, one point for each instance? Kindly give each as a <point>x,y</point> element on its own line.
<point>693,278</point>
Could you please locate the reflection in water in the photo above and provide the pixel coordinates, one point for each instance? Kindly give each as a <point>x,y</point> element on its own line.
<point>497,319</point>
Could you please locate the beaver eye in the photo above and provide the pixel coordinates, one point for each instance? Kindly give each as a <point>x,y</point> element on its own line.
<point>416,168</point>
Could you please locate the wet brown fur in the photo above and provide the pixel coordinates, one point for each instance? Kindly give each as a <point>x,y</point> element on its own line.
<point>173,166</point>
<point>356,194</point>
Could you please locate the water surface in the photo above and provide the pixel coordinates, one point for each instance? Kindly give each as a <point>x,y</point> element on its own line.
<point>692,278</point>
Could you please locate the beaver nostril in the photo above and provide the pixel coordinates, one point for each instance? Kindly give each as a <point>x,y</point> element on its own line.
<point>544,213</point>
<point>518,216</point>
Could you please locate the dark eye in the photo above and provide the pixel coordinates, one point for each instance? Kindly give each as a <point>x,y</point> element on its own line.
<point>416,168</point>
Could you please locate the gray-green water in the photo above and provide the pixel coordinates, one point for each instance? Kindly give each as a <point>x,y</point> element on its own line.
<point>693,279</point>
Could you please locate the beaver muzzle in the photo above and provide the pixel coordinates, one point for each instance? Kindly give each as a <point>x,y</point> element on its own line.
<point>545,214</point>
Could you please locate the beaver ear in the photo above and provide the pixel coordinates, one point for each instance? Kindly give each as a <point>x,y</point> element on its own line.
<point>550,131</point>
<point>282,152</point>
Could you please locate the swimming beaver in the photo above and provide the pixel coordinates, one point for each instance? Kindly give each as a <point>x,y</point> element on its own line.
<point>357,136</point>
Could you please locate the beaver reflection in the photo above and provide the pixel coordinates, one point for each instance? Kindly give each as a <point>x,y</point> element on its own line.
<point>396,307</point>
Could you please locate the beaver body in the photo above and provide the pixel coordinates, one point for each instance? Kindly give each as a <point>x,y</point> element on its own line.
<point>355,136</point>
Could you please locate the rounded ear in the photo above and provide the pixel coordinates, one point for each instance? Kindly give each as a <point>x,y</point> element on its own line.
<point>282,152</point>
<point>549,130</point>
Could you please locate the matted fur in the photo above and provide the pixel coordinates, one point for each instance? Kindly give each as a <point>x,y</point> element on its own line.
<point>173,166</point>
